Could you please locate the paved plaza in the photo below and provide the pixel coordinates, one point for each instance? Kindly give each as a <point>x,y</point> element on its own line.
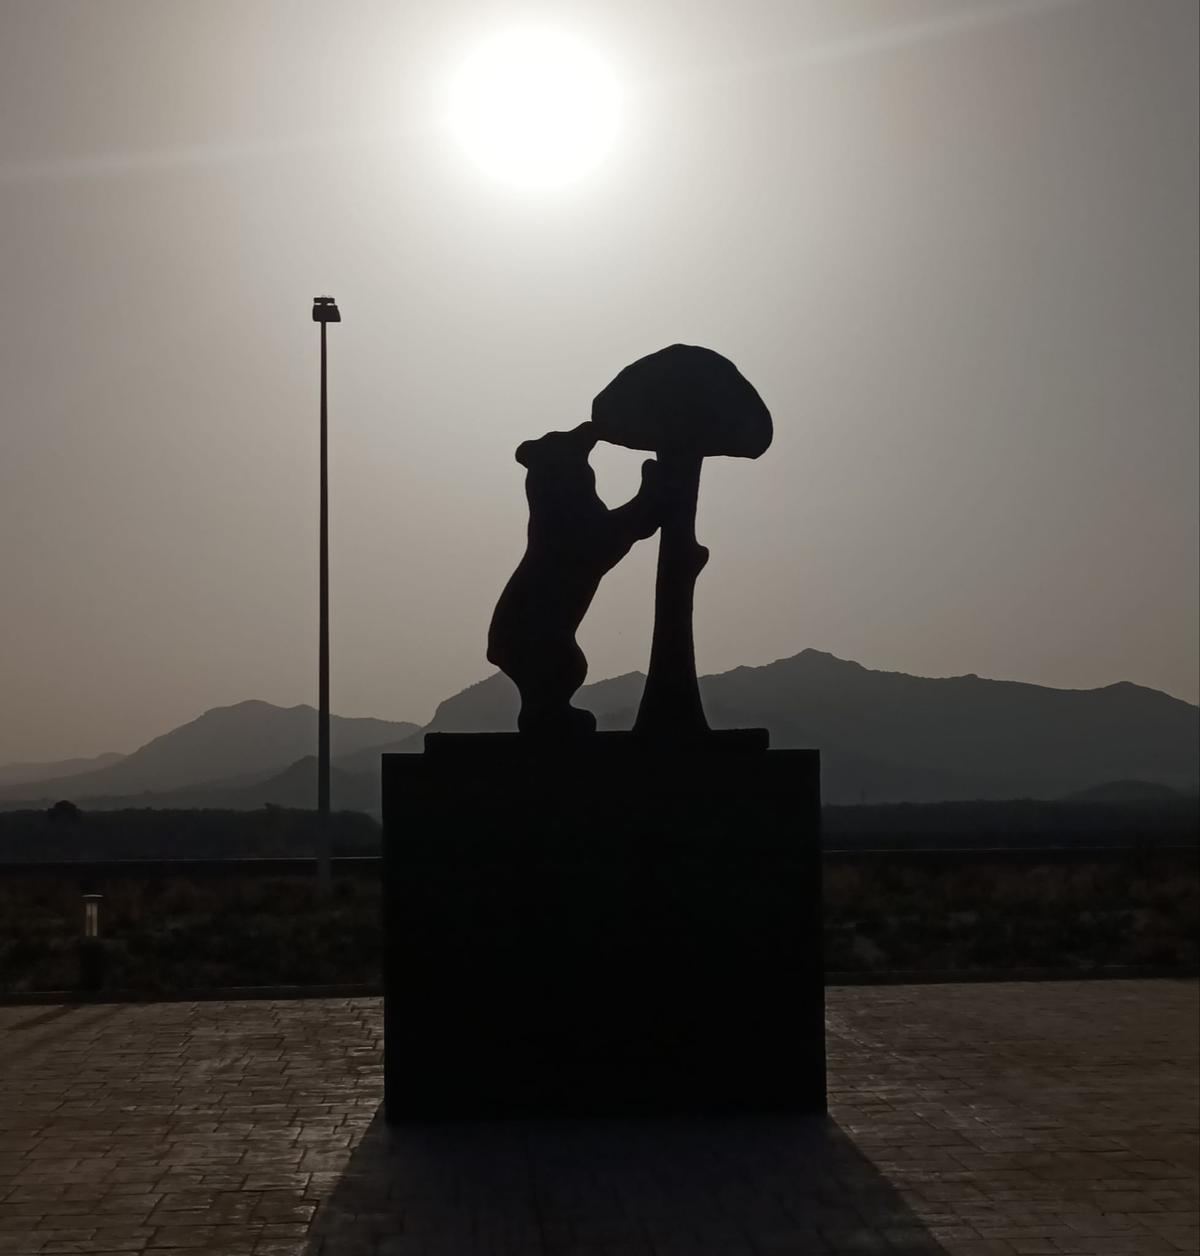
<point>966,1119</point>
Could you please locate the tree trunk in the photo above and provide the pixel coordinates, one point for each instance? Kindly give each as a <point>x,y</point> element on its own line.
<point>671,702</point>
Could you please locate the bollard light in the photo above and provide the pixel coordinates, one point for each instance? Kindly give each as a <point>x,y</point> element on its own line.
<point>91,915</point>
<point>91,948</point>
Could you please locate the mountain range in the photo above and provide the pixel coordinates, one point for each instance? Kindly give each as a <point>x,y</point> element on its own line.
<point>883,736</point>
<point>27,773</point>
<point>225,750</point>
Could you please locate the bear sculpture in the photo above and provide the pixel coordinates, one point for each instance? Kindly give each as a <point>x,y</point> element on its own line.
<point>573,541</point>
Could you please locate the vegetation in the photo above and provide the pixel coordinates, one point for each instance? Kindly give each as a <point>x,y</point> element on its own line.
<point>886,912</point>
<point>64,832</point>
<point>900,912</point>
<point>1019,822</point>
<point>177,933</point>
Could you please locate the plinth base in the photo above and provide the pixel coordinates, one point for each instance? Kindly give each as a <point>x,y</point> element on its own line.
<point>602,926</point>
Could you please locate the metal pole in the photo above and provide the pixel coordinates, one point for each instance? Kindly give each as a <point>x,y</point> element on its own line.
<point>323,855</point>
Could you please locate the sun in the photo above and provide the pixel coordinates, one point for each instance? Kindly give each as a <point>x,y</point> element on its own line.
<point>536,109</point>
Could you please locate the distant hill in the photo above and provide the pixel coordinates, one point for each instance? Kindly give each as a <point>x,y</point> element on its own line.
<point>27,773</point>
<point>234,745</point>
<point>884,737</point>
<point>492,705</point>
<point>892,737</point>
<point>295,788</point>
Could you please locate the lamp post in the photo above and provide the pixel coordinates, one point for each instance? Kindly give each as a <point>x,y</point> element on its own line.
<point>324,311</point>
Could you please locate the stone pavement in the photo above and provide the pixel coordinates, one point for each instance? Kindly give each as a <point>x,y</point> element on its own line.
<point>971,1119</point>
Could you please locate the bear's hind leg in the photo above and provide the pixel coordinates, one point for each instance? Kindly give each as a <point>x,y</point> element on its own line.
<point>546,701</point>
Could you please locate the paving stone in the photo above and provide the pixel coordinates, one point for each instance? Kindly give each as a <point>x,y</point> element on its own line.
<point>975,1120</point>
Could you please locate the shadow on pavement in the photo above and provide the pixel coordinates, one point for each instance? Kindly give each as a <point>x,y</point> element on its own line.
<point>745,1186</point>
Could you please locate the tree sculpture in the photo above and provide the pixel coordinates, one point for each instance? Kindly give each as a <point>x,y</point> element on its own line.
<point>684,403</point>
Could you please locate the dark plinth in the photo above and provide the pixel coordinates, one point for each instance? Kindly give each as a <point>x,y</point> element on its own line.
<point>602,925</point>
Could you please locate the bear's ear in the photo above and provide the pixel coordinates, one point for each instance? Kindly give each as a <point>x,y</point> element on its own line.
<point>585,436</point>
<point>524,453</point>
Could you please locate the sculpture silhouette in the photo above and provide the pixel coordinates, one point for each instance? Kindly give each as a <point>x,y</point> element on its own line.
<point>685,403</point>
<point>598,868</point>
<point>574,539</point>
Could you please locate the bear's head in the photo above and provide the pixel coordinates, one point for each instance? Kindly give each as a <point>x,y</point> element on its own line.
<point>561,483</point>
<point>558,451</point>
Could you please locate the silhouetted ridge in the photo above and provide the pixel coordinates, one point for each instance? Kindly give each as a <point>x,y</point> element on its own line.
<point>883,736</point>
<point>488,706</point>
<point>26,773</point>
<point>229,744</point>
<point>891,736</point>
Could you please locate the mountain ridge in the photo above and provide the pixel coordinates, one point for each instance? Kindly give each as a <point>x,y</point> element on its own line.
<point>895,736</point>
<point>884,736</point>
<point>27,772</point>
<point>245,740</point>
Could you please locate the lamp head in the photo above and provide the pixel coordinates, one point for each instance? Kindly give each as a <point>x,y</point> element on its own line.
<point>325,310</point>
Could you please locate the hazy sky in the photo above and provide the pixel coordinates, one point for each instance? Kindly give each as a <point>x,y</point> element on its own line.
<point>954,245</point>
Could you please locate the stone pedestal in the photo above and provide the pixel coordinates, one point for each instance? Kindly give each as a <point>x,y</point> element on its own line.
<point>605,926</point>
